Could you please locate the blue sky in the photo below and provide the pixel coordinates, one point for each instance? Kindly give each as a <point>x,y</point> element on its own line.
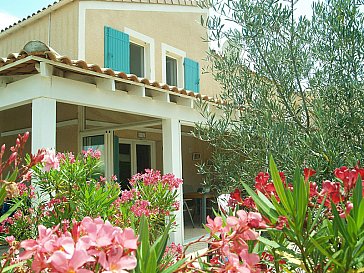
<point>13,10</point>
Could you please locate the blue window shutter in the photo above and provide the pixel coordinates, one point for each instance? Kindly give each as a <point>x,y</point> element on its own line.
<point>192,75</point>
<point>116,50</point>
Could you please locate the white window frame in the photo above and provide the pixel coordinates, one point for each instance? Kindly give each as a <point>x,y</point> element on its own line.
<point>177,54</point>
<point>133,143</point>
<point>149,51</point>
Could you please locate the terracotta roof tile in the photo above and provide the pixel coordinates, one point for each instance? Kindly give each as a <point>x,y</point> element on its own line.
<point>54,56</point>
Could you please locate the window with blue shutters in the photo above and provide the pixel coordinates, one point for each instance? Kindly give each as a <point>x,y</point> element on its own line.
<point>116,50</point>
<point>192,75</point>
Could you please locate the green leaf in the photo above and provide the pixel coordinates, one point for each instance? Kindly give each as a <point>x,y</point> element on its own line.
<point>317,217</point>
<point>325,252</point>
<point>10,267</point>
<point>360,217</point>
<point>174,267</point>
<point>270,212</point>
<point>144,241</point>
<point>10,211</point>
<point>152,261</point>
<point>339,223</point>
<point>357,198</point>
<point>268,242</point>
<point>279,186</point>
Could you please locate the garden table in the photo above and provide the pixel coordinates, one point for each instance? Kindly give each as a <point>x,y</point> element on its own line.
<point>203,197</point>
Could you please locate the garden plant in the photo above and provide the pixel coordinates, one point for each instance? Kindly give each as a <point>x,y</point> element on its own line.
<point>291,86</point>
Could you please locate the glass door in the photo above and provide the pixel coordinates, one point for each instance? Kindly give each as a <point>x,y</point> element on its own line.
<point>134,157</point>
<point>96,142</point>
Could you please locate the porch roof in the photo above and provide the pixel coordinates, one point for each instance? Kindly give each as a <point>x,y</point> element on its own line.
<point>26,62</point>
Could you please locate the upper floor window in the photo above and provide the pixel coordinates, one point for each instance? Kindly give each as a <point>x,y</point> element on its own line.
<point>171,71</point>
<point>137,61</point>
<point>129,52</point>
<point>172,65</point>
<point>178,70</point>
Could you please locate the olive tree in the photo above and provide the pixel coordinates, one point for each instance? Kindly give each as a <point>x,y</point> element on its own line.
<point>291,87</point>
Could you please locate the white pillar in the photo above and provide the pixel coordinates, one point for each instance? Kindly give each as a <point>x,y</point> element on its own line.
<point>43,124</point>
<point>172,163</point>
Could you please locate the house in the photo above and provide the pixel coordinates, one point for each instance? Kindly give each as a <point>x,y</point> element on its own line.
<point>138,111</point>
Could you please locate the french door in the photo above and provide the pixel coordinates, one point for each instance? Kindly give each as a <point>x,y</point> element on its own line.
<point>104,141</point>
<point>134,157</point>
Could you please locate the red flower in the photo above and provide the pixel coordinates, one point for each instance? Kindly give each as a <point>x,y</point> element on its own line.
<point>236,196</point>
<point>261,180</point>
<point>283,177</point>
<point>332,189</point>
<point>307,173</point>
<point>348,207</point>
<point>313,189</point>
<point>348,177</point>
<point>281,222</point>
<point>249,202</point>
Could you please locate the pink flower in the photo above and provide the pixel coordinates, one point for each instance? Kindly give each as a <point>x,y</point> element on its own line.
<point>27,176</point>
<point>116,262</point>
<point>92,243</point>
<point>10,239</point>
<point>50,161</point>
<point>140,208</point>
<point>175,205</point>
<point>172,181</point>
<point>127,195</point>
<point>214,225</point>
<point>62,263</point>
<point>255,220</point>
<point>44,242</point>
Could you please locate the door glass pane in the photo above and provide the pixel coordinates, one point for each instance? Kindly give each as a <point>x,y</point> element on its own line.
<point>137,60</point>
<point>96,143</point>
<point>124,165</point>
<point>143,156</point>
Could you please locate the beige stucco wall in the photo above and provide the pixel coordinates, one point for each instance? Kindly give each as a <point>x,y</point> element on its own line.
<point>181,30</point>
<point>63,24</point>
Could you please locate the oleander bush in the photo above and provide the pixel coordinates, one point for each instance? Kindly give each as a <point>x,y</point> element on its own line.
<point>75,220</point>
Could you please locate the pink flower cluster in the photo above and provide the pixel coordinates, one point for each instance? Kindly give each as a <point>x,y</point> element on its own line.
<point>91,244</point>
<point>229,247</point>
<point>50,161</point>
<point>140,207</point>
<point>92,153</point>
<point>62,157</point>
<point>154,177</point>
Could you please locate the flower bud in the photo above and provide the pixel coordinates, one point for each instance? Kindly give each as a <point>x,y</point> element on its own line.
<point>25,137</point>
<point>12,157</point>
